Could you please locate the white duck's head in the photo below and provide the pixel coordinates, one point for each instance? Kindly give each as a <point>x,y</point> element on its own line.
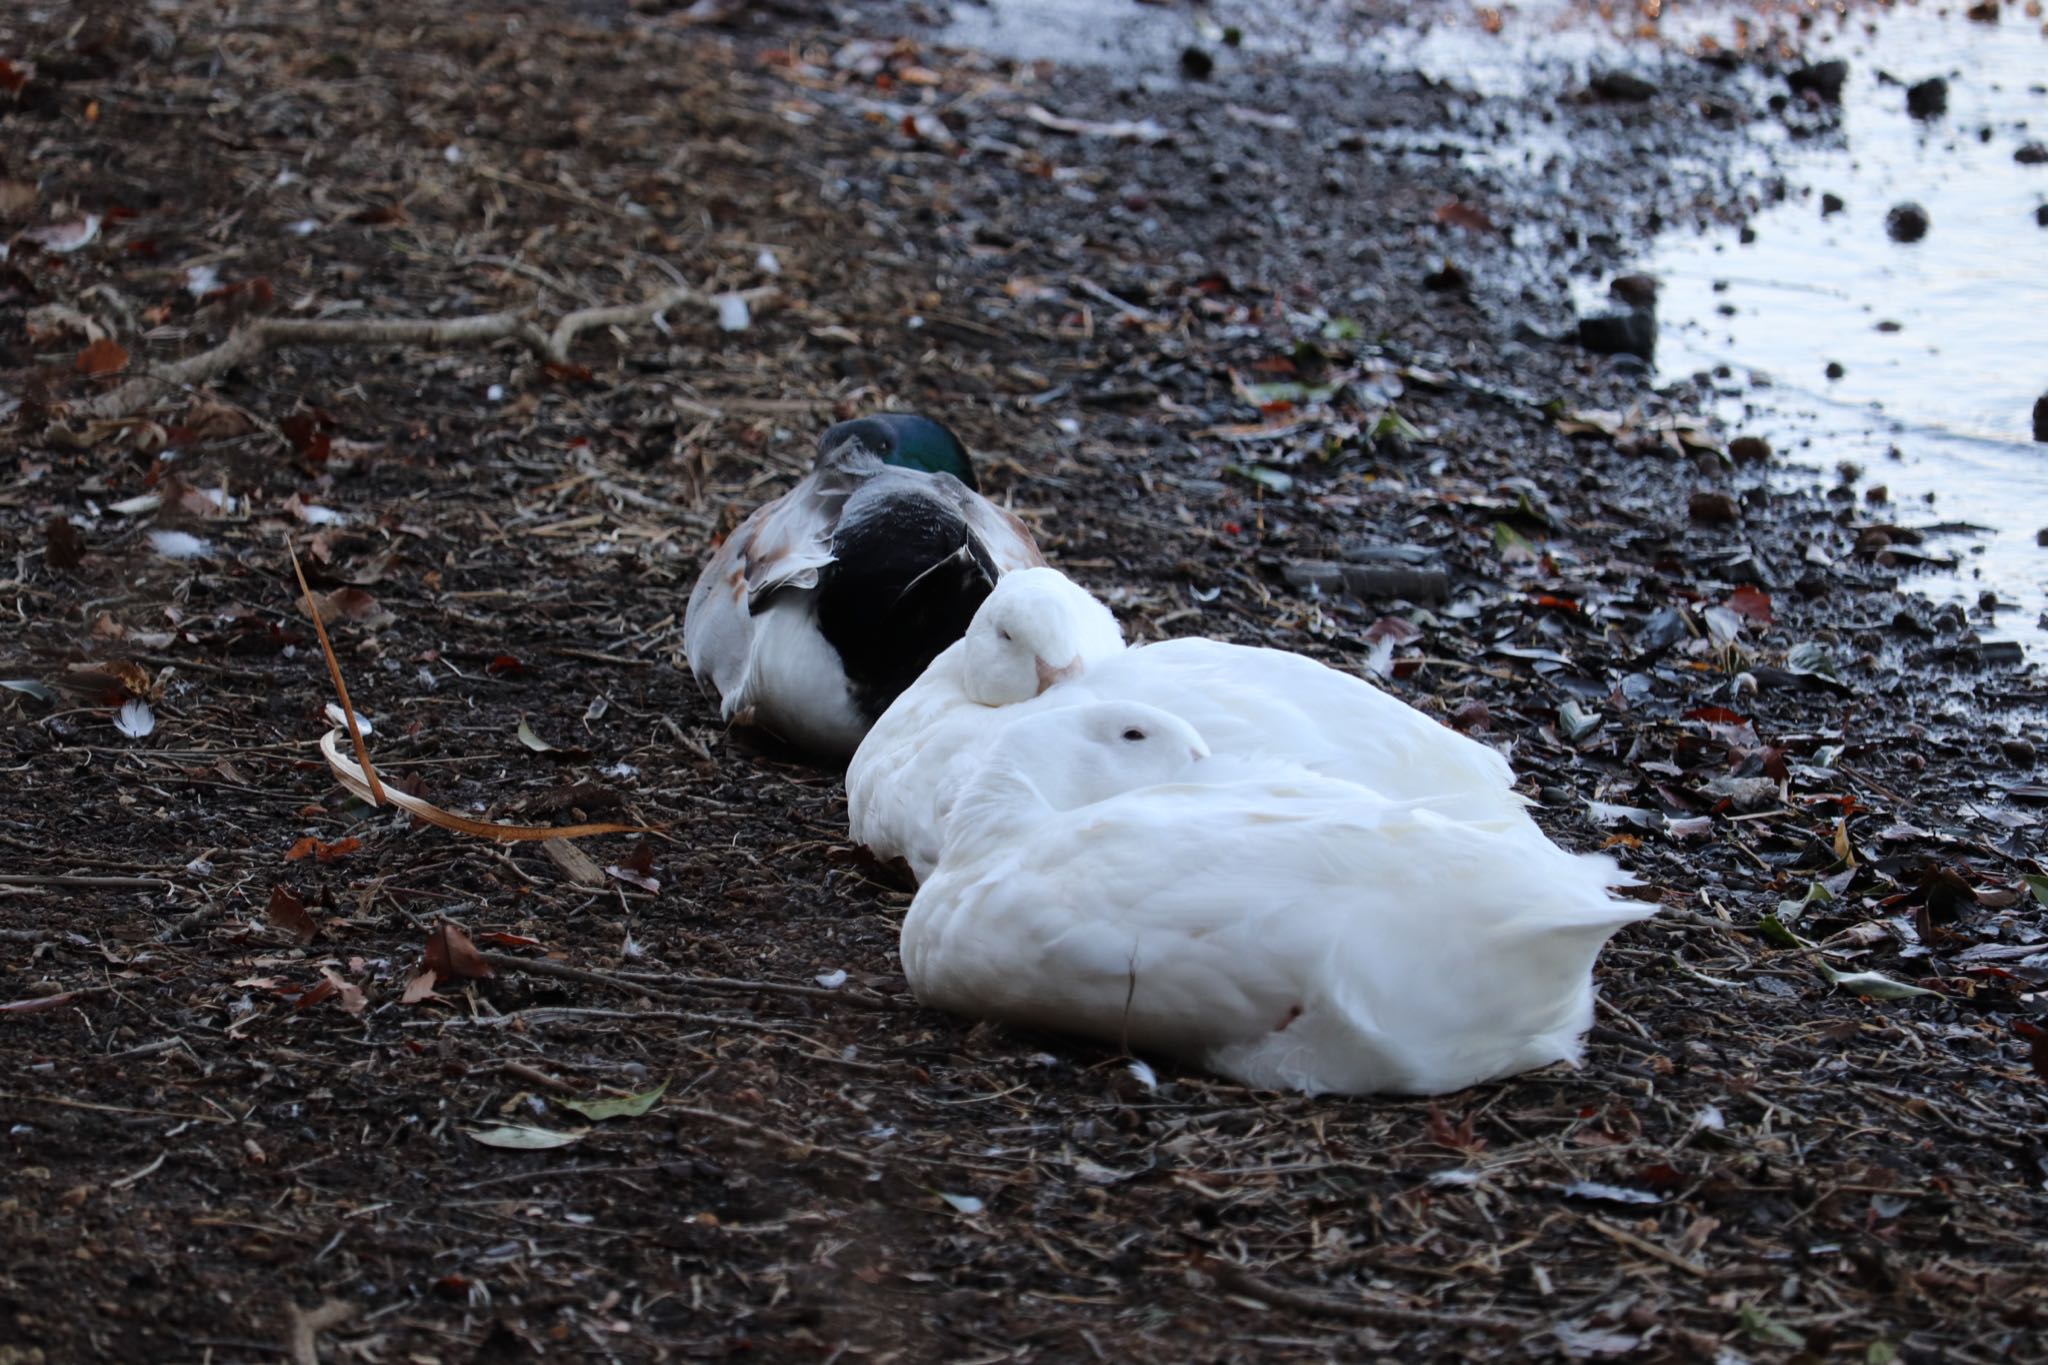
<point>1038,627</point>
<point>1077,755</point>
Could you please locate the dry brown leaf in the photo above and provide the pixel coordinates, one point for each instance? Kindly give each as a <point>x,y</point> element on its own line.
<point>17,197</point>
<point>578,866</point>
<point>211,421</point>
<point>350,995</point>
<point>104,356</point>
<point>289,913</point>
<point>419,988</point>
<point>450,955</point>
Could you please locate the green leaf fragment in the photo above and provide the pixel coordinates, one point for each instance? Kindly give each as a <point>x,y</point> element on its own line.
<point>1273,479</point>
<point>617,1106</point>
<point>525,1137</point>
<point>1775,933</point>
<point>2037,885</point>
<point>1763,1327</point>
<point>1875,985</point>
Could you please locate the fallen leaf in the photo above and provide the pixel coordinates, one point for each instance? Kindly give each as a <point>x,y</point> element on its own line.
<point>1751,602</point>
<point>419,988</point>
<point>1133,130</point>
<point>353,604</point>
<point>310,847</point>
<point>637,868</point>
<point>66,237</point>
<point>105,356</point>
<point>578,866</point>
<point>289,913</point>
<point>17,197</point>
<point>450,955</point>
<point>351,995</point>
<point>525,1137</point>
<point>964,1203</point>
<point>619,1107</point>
<point>30,687</point>
<point>1456,214</point>
<point>135,719</point>
<point>1875,985</point>
<point>532,740</point>
<point>178,544</point>
<point>1611,1194</point>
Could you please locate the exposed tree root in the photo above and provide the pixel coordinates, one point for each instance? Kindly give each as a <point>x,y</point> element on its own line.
<point>255,338</point>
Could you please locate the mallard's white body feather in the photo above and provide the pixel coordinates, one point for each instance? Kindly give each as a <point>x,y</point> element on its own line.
<point>1272,925</point>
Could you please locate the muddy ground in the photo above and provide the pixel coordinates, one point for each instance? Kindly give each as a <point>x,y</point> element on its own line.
<point>1304,338</point>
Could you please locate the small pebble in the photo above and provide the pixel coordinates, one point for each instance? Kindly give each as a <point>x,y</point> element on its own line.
<point>2018,752</point>
<point>1831,203</point>
<point>2032,154</point>
<point>1906,222</point>
<point>1835,370</point>
<point>1927,99</point>
<point>1712,508</point>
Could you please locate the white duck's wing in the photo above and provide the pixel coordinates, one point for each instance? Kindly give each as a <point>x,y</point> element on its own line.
<point>896,771</point>
<point>1294,934</point>
<point>784,544</point>
<point>1253,701</point>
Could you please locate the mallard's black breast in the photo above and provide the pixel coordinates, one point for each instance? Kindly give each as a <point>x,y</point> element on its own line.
<point>905,579</point>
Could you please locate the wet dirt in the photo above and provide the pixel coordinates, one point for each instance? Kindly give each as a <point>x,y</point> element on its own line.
<point>1297,340</point>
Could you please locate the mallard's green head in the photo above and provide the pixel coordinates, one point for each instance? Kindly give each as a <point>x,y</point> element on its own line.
<point>906,440</point>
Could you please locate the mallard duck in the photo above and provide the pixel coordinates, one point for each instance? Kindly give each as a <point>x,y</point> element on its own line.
<point>1280,928</point>
<point>827,603</point>
<point>1246,701</point>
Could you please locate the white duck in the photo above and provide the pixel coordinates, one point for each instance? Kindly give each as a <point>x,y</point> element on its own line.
<point>1275,927</point>
<point>827,603</point>
<point>1244,700</point>
<point>1036,629</point>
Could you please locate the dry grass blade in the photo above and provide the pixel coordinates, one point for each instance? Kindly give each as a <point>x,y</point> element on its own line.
<point>357,780</point>
<point>360,778</point>
<point>372,788</point>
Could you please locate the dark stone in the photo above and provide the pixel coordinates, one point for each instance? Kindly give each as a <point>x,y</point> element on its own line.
<point>1824,79</point>
<point>1835,370</point>
<point>1630,333</point>
<point>2041,418</point>
<point>1713,509</point>
<point>1747,235</point>
<point>1620,85</point>
<point>1831,203</point>
<point>1928,99</point>
<point>1637,291</point>
<point>1906,222</point>
<point>1448,280</point>
<point>1196,63</point>
<point>2032,154</point>
<point>2018,752</point>
<point>1749,449</point>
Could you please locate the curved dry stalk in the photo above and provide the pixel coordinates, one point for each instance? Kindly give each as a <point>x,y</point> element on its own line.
<point>255,338</point>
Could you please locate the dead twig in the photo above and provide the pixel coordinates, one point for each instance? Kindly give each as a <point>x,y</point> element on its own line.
<point>540,966</point>
<point>1238,1280</point>
<point>256,338</point>
<point>309,1323</point>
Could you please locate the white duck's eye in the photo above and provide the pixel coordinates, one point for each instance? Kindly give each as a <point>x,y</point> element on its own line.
<point>1134,734</point>
<point>1003,635</point>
